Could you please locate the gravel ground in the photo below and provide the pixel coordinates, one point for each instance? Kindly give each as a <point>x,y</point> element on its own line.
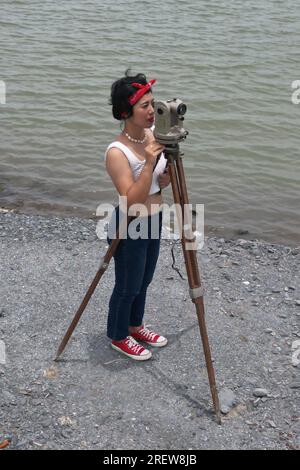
<point>95,399</point>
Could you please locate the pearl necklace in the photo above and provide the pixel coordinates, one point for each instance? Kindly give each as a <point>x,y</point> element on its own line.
<point>136,141</point>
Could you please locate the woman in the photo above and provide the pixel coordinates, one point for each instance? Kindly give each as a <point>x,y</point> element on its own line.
<point>137,167</point>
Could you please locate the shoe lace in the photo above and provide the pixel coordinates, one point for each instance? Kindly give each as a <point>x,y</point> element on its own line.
<point>148,334</point>
<point>134,345</point>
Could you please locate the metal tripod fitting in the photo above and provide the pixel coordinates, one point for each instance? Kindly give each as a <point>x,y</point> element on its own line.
<point>196,292</point>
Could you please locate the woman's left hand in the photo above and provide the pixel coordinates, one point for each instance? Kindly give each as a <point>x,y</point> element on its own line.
<point>163,180</point>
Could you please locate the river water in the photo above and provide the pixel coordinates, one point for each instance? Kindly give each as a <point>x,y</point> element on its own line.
<point>232,62</point>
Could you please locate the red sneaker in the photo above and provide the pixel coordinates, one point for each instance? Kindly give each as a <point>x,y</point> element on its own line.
<point>132,348</point>
<point>149,337</point>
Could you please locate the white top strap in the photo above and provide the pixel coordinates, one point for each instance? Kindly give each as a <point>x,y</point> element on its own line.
<point>129,153</point>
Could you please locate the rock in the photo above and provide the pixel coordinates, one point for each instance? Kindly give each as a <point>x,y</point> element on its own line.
<point>21,444</point>
<point>296,353</point>
<point>227,276</point>
<point>8,398</point>
<point>65,434</point>
<point>46,422</point>
<point>50,373</point>
<point>36,402</point>
<point>260,392</point>
<point>242,242</point>
<point>295,385</point>
<point>237,411</point>
<point>66,421</point>
<point>227,400</point>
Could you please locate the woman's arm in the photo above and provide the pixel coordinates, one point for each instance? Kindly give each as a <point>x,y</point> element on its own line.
<point>121,174</point>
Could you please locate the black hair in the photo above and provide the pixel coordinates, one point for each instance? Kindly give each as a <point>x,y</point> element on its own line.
<point>121,90</point>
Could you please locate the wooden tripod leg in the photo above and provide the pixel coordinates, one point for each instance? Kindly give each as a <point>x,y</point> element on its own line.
<point>196,291</point>
<point>103,266</point>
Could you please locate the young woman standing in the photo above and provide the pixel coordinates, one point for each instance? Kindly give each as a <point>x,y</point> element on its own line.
<point>137,167</point>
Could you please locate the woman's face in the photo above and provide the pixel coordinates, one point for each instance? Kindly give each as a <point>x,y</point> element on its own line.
<point>143,111</point>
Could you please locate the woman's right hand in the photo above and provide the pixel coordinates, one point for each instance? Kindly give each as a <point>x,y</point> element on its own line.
<point>152,151</point>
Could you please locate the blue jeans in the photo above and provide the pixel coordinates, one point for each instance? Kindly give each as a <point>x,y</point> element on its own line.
<point>135,262</point>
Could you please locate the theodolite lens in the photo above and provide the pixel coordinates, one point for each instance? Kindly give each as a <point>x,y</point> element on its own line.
<point>181,109</point>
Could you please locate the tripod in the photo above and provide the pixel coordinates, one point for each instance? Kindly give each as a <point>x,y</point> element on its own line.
<point>180,195</point>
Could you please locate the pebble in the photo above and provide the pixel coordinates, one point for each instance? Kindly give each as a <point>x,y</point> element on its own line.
<point>295,385</point>
<point>227,400</point>
<point>36,402</point>
<point>242,231</point>
<point>21,444</point>
<point>46,423</point>
<point>227,276</point>
<point>242,242</point>
<point>260,392</point>
<point>8,397</point>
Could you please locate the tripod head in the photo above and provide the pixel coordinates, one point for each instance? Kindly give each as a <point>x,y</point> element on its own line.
<point>169,129</point>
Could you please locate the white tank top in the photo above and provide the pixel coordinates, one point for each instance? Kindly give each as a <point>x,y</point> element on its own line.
<point>137,165</point>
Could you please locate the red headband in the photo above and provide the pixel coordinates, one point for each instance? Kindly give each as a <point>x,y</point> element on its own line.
<point>141,92</point>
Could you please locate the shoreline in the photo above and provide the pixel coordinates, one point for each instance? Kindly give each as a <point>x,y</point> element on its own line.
<point>209,232</point>
<point>85,401</point>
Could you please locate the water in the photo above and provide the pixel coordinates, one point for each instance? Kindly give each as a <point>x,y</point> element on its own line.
<point>232,62</point>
